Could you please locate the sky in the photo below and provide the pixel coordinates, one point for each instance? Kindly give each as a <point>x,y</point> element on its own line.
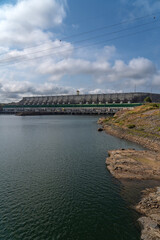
<point>56,47</point>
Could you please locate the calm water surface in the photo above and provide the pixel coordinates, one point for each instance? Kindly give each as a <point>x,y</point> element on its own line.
<point>54,183</point>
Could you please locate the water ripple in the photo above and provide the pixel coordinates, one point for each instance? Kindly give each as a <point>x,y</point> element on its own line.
<point>54,183</point>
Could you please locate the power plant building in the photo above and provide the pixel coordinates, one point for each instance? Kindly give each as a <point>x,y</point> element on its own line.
<point>70,103</point>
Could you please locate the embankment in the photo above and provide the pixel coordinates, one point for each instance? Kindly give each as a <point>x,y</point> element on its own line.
<point>140,125</point>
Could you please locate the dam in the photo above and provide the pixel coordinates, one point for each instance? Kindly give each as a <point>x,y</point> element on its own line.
<point>80,104</point>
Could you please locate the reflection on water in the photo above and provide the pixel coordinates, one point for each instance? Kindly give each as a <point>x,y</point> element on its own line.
<point>54,182</point>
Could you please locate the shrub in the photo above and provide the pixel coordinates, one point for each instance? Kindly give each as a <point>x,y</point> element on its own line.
<point>131,126</point>
<point>154,105</point>
<point>148,100</point>
<point>106,119</point>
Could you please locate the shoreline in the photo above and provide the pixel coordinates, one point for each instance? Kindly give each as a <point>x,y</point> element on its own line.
<point>150,144</point>
<point>130,164</point>
<point>149,208</point>
<point>133,164</point>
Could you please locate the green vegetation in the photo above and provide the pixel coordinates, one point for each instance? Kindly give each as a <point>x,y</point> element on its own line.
<point>106,119</point>
<point>141,129</point>
<point>154,105</point>
<point>142,120</point>
<point>148,99</point>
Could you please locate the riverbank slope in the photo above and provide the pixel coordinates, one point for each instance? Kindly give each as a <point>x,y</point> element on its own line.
<point>140,125</point>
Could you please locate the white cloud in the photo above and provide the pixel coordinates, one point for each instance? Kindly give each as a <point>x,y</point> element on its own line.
<point>148,6</point>
<point>100,91</point>
<point>54,50</point>
<point>109,52</point>
<point>136,69</point>
<point>156,79</point>
<point>15,90</point>
<point>136,8</point>
<point>71,66</point>
<point>28,21</point>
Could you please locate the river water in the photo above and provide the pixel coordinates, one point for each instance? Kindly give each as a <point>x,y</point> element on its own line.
<point>54,183</point>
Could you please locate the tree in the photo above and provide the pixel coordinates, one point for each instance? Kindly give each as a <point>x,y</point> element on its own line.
<point>148,100</point>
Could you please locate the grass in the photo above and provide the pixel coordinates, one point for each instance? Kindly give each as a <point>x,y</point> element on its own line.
<point>141,129</point>
<point>140,121</point>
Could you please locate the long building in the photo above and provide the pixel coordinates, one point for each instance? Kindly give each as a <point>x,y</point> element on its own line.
<point>90,99</point>
<point>88,103</point>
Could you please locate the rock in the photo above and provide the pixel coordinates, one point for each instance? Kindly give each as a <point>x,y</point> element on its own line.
<point>132,164</point>
<point>100,129</point>
<point>150,229</point>
<point>147,222</point>
<point>150,223</point>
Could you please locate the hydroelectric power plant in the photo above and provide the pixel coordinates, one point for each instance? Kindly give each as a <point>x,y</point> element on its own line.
<point>79,104</point>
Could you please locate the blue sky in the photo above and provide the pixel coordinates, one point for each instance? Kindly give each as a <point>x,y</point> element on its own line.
<point>119,57</point>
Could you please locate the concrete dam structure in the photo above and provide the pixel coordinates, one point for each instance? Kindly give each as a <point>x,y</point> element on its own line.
<point>80,104</point>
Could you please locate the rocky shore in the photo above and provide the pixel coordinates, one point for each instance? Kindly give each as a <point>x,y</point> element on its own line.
<point>132,164</point>
<point>142,126</point>
<point>149,206</point>
<point>140,165</point>
<point>149,143</point>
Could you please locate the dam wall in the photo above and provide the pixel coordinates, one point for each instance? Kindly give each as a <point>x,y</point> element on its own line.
<point>79,104</point>
<point>90,99</point>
